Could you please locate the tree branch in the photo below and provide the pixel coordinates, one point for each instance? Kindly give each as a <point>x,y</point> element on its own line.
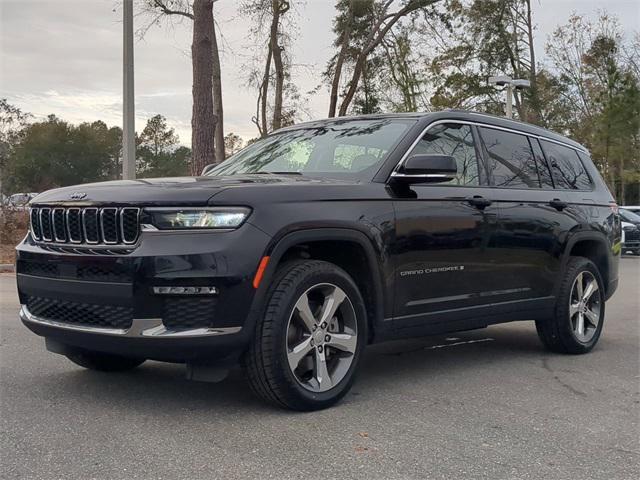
<point>168,11</point>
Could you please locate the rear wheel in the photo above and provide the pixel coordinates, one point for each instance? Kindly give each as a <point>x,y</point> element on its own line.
<point>309,341</point>
<point>579,314</point>
<point>103,362</point>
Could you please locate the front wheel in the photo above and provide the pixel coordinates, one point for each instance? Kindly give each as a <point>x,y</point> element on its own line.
<point>579,314</point>
<point>310,338</point>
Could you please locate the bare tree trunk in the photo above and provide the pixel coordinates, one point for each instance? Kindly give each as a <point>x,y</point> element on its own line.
<point>203,120</point>
<point>280,7</point>
<point>335,83</point>
<point>216,82</point>
<point>263,126</point>
<point>374,38</point>
<point>353,86</point>
<point>182,9</point>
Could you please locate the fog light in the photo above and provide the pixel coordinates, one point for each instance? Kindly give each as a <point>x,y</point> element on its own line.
<point>185,290</point>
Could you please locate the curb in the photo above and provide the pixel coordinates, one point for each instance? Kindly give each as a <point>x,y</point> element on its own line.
<point>7,268</point>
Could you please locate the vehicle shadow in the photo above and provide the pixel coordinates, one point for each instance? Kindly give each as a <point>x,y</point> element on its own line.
<point>162,387</point>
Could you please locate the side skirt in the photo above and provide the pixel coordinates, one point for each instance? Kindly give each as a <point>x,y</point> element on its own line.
<point>470,318</point>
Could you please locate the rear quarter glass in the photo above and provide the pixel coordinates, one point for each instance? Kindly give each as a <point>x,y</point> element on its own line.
<point>566,166</point>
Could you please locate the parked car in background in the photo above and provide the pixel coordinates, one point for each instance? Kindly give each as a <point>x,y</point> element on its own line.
<point>630,231</point>
<point>20,200</point>
<point>295,253</point>
<point>632,208</point>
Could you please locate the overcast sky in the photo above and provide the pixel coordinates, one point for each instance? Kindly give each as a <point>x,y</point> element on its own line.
<point>64,57</point>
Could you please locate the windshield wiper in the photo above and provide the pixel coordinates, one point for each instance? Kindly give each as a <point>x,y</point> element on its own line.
<point>262,172</point>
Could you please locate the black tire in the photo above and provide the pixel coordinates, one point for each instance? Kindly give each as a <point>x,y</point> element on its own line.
<point>103,362</point>
<point>266,362</point>
<point>557,333</point>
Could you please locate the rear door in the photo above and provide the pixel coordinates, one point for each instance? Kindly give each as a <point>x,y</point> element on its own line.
<point>443,242</point>
<point>532,217</point>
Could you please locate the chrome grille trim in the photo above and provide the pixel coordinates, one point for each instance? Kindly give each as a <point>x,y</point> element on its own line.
<point>74,226</point>
<point>123,230</point>
<point>59,214</point>
<point>46,212</point>
<point>79,220</point>
<point>84,226</point>
<point>34,218</point>
<point>110,240</point>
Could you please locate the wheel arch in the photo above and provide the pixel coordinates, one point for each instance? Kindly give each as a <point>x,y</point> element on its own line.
<point>596,248</point>
<point>358,257</point>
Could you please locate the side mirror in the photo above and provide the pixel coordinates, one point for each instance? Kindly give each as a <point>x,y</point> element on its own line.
<point>427,168</point>
<point>207,169</point>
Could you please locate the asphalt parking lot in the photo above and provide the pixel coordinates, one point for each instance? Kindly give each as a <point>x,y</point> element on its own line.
<point>485,404</point>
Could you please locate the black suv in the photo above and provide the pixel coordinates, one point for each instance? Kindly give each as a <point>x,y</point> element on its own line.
<point>295,253</point>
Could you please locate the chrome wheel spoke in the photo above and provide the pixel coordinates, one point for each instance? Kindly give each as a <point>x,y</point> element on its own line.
<point>304,312</point>
<point>322,376</point>
<point>331,304</point>
<point>592,317</point>
<point>573,309</point>
<point>580,325</point>
<point>580,285</point>
<point>299,352</point>
<point>592,288</point>
<point>343,341</point>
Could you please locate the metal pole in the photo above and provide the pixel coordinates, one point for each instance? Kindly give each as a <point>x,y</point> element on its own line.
<point>509,100</point>
<point>128,127</point>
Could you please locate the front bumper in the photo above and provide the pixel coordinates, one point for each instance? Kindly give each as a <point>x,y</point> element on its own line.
<point>125,316</point>
<point>140,328</point>
<point>147,338</point>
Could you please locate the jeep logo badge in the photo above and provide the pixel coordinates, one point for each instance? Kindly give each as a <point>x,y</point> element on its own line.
<point>78,195</point>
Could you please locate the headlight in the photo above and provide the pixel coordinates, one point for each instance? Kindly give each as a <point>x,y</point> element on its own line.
<point>198,218</point>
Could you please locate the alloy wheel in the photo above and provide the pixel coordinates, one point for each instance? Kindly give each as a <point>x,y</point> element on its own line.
<point>322,337</point>
<point>584,306</point>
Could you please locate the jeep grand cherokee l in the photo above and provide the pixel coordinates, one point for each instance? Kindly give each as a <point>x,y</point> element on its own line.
<point>293,254</point>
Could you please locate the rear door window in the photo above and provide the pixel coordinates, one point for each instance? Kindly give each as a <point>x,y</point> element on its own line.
<point>568,171</point>
<point>544,174</point>
<point>510,160</point>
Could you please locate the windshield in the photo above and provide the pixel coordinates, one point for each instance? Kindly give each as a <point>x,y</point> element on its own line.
<point>353,149</point>
<point>629,216</point>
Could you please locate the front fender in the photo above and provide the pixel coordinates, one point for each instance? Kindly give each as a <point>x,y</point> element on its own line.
<point>279,246</point>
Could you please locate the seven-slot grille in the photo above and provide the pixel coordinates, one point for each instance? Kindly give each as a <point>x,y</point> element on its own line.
<point>89,225</point>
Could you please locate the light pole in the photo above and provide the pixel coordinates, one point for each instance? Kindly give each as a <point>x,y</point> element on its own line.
<point>128,99</point>
<point>509,84</point>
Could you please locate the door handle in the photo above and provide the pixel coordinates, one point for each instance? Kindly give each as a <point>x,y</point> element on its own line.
<point>558,204</point>
<point>479,201</point>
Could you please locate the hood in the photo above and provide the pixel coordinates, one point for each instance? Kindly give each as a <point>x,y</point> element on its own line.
<point>164,191</point>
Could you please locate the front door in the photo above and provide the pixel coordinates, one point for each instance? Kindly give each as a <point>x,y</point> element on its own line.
<point>443,243</point>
